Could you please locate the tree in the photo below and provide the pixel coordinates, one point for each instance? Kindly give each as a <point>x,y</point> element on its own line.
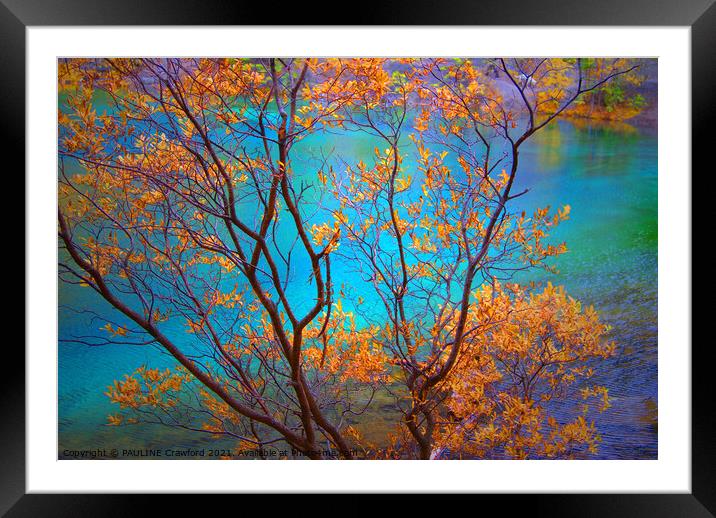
<point>180,206</point>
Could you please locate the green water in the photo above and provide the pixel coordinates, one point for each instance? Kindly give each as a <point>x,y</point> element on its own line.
<point>609,177</point>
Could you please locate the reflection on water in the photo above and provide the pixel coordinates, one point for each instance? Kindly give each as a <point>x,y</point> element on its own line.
<point>606,172</point>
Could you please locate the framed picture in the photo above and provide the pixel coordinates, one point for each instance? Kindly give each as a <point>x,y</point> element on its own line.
<point>429,258</point>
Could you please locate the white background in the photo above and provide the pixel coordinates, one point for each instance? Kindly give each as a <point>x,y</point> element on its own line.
<point>671,472</point>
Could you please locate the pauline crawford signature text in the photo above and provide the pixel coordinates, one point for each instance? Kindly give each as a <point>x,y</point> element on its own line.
<point>188,453</point>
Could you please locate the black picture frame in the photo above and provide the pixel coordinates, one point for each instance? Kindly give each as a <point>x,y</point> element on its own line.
<point>700,15</point>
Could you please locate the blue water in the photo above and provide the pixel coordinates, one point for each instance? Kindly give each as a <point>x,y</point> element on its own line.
<point>609,177</point>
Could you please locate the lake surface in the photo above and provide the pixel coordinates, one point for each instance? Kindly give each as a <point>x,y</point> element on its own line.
<point>607,174</point>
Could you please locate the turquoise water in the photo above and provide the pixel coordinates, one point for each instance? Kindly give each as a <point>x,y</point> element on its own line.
<point>609,177</point>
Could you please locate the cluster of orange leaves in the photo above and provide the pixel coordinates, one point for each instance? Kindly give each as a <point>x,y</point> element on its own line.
<point>145,387</point>
<point>528,348</point>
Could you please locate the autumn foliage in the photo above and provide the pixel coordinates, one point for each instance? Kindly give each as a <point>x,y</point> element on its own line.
<point>291,292</point>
